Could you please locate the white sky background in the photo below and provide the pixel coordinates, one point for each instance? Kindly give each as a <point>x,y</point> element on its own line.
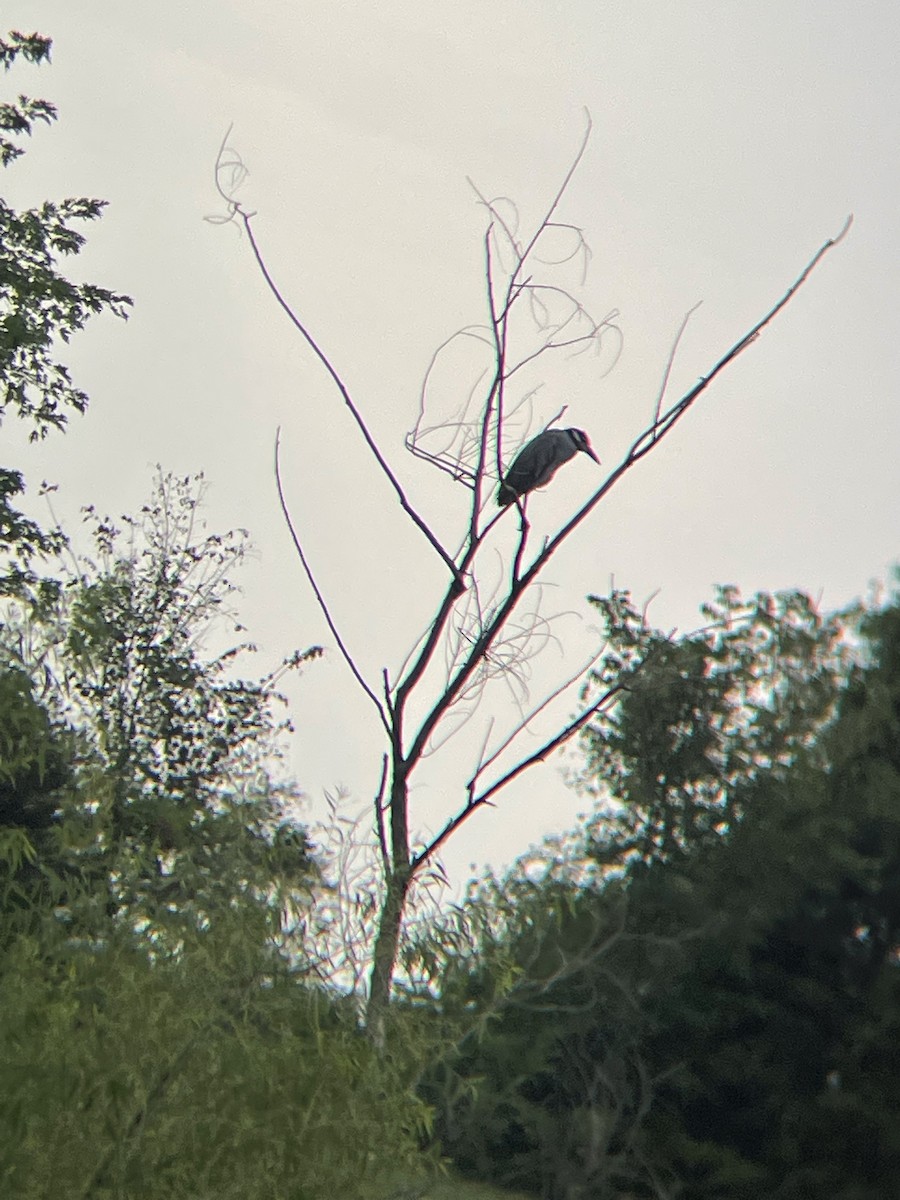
<point>730,140</point>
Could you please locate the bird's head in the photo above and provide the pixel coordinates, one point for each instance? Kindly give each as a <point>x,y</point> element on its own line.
<point>580,441</point>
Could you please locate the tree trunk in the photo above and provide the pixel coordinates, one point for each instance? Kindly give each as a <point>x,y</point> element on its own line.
<point>397,884</point>
<point>387,945</point>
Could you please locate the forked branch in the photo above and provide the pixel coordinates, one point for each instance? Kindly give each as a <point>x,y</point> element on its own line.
<point>546,749</point>
<point>659,428</point>
<point>482,640</point>
<point>234,171</point>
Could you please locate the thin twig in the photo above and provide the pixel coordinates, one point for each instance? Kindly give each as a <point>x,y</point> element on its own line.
<point>495,390</point>
<point>484,763</point>
<point>379,817</point>
<point>342,388</point>
<point>521,502</point>
<point>553,743</point>
<point>348,658</point>
<point>671,359</point>
<point>480,762</point>
<point>561,191</point>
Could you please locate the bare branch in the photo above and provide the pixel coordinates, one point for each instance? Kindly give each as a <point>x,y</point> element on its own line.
<point>454,464</point>
<point>572,328</point>
<point>484,763</point>
<point>229,174</point>
<point>500,321</point>
<point>671,359</point>
<point>539,755</point>
<point>554,743</point>
<point>379,817</point>
<point>497,217</point>
<point>496,389</point>
<point>561,191</point>
<point>484,637</point>
<point>521,503</point>
<point>348,658</point>
<point>583,341</point>
<point>642,445</point>
<point>342,388</point>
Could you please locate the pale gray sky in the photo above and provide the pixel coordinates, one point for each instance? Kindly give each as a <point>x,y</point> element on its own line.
<point>730,140</point>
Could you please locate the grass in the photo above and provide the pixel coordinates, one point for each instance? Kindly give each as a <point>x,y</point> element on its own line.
<point>453,1187</point>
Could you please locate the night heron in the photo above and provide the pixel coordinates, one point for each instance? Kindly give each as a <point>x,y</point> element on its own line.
<point>537,462</point>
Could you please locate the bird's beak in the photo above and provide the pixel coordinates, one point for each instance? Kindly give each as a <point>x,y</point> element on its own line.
<point>589,451</point>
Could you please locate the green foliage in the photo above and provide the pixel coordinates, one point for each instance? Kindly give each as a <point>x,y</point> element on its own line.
<point>19,118</point>
<point>33,47</point>
<point>778,1034</point>
<point>33,758</point>
<point>545,1089</point>
<point>212,1073</point>
<point>162,1032</point>
<point>734,1031</point>
<point>157,1038</point>
<point>703,715</point>
<point>35,764</point>
<point>37,303</point>
<point>173,809</point>
<point>452,1187</point>
<point>25,539</point>
<point>39,307</point>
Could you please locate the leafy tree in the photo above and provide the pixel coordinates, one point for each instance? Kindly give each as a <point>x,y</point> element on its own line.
<point>39,307</point>
<point>773,1030</point>
<point>787,1021</point>
<point>546,1088</point>
<point>174,806</point>
<point>746,1005</point>
<point>34,761</point>
<point>702,716</point>
<point>216,1071</point>
<point>163,1037</point>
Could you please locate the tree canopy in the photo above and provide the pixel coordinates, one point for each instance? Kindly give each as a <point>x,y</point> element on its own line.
<point>725,1022</point>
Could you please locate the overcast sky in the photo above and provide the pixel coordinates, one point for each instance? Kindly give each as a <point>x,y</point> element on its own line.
<point>730,141</point>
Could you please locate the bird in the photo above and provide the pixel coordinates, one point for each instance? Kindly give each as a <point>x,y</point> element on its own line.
<point>537,462</point>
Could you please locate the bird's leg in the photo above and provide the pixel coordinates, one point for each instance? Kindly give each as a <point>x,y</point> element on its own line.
<point>521,502</point>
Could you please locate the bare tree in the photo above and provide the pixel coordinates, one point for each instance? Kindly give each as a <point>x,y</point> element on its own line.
<point>481,631</point>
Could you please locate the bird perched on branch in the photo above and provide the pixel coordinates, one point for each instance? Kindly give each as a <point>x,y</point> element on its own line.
<point>537,462</point>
